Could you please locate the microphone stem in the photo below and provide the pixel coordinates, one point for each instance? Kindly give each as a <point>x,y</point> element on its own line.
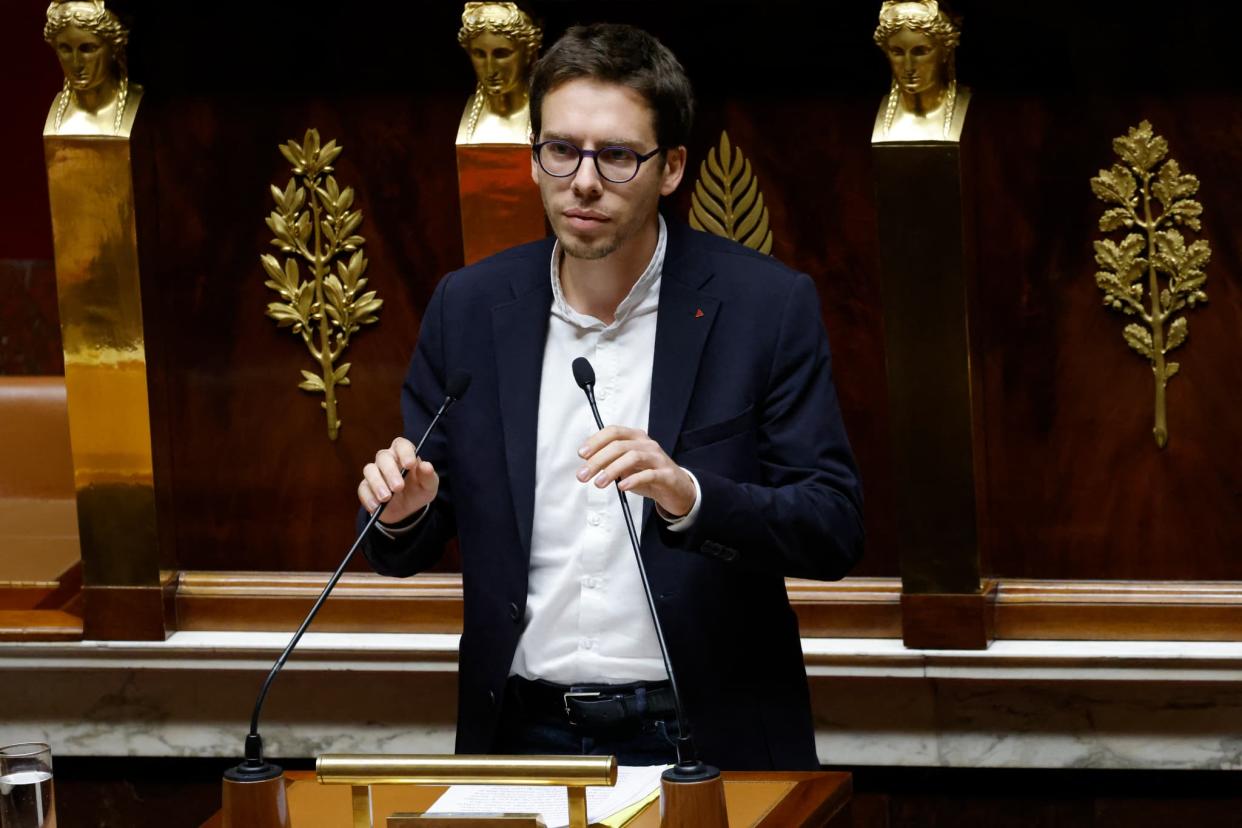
<point>323,596</point>
<point>683,727</point>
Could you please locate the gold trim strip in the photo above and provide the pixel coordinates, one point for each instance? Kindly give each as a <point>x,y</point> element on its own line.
<point>409,769</point>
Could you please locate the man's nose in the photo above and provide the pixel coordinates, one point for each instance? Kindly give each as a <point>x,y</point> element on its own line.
<point>586,179</point>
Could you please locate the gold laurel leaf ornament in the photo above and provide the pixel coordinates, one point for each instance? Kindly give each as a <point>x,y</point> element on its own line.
<point>726,200</point>
<point>314,224</point>
<point>1153,272</point>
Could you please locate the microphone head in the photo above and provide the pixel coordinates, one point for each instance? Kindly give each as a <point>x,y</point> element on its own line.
<point>584,374</point>
<point>457,384</point>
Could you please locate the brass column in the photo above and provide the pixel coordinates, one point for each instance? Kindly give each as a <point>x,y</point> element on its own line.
<point>923,267</point>
<point>90,183</point>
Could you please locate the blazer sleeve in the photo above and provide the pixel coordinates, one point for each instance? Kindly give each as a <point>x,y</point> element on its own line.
<point>422,393</point>
<point>804,517</point>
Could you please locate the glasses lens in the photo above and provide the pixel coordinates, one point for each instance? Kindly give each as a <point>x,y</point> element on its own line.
<point>617,164</point>
<point>558,158</point>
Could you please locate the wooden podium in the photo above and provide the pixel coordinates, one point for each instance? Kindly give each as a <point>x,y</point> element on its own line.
<point>764,799</point>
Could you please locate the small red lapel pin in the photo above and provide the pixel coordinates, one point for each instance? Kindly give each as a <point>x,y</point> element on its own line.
<point>698,314</point>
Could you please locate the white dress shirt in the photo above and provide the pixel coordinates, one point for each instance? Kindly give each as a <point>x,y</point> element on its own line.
<point>586,615</point>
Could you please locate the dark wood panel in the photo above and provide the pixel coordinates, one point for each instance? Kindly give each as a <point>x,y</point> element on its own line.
<point>29,318</point>
<point>949,621</point>
<point>1076,485</point>
<point>1072,485</point>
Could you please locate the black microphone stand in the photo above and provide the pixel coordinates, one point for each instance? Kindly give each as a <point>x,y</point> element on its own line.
<point>688,767</point>
<point>255,769</point>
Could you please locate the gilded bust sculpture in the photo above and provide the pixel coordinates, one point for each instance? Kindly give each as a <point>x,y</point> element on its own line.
<point>502,42</point>
<point>97,99</point>
<point>925,103</point>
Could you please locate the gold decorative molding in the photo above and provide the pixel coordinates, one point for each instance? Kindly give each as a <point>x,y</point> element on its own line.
<point>314,222</point>
<point>1153,247</point>
<point>727,201</point>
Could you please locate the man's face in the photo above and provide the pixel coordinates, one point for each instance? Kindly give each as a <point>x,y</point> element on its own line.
<point>85,59</point>
<point>498,63</point>
<point>916,60</point>
<point>590,216</point>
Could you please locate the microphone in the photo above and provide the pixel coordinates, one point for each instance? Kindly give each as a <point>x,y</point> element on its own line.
<point>688,767</point>
<point>254,768</point>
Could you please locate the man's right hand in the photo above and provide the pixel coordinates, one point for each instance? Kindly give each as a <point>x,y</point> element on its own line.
<point>382,482</point>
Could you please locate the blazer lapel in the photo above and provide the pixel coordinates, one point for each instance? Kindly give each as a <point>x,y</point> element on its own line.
<point>684,319</point>
<point>520,331</point>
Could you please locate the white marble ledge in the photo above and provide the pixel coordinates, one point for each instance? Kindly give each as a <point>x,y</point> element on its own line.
<point>386,652</point>
<point>1162,661</point>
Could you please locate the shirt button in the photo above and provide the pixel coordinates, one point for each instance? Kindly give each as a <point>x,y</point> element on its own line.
<point>601,394</point>
<point>588,643</point>
<point>593,519</point>
<point>590,583</point>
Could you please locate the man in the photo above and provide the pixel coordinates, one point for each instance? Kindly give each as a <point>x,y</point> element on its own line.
<point>724,431</point>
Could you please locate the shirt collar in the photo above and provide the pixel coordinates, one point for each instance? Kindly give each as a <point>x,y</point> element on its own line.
<point>641,290</point>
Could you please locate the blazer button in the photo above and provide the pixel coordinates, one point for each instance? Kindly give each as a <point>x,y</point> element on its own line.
<point>491,697</point>
<point>514,613</point>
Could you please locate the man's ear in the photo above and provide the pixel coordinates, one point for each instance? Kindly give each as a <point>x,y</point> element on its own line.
<point>534,168</point>
<point>674,169</point>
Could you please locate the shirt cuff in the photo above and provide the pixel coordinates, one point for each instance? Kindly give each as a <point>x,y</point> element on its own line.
<point>683,524</point>
<point>403,527</point>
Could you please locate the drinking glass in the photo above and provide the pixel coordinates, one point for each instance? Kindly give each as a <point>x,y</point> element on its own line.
<point>26,786</point>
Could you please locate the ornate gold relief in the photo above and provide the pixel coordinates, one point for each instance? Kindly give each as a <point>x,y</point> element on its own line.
<point>727,201</point>
<point>314,223</point>
<point>1154,247</point>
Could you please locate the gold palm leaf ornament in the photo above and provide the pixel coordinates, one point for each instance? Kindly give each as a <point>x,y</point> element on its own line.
<point>1151,199</point>
<point>314,223</point>
<point>727,201</point>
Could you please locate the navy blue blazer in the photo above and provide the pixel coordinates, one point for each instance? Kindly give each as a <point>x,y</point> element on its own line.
<point>741,394</point>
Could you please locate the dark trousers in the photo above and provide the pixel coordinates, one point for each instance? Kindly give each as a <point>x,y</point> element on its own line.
<point>647,740</point>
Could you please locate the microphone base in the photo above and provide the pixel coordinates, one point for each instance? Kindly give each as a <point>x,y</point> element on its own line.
<point>692,796</point>
<point>253,796</point>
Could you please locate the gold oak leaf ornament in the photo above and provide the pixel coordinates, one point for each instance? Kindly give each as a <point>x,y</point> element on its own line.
<point>1130,270</point>
<point>726,199</point>
<point>314,223</point>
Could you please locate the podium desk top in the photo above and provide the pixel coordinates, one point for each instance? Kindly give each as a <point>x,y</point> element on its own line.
<point>755,799</point>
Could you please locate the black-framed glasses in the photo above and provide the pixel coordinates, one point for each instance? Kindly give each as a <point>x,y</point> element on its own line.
<point>561,159</point>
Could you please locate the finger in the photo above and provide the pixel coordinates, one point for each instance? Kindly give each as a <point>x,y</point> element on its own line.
<point>604,457</point>
<point>372,477</point>
<point>366,498</point>
<point>407,455</point>
<point>390,469</point>
<point>423,476</point>
<point>629,463</point>
<point>607,435</point>
<point>643,482</point>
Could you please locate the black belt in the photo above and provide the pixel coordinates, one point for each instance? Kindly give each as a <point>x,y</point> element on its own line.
<point>598,706</point>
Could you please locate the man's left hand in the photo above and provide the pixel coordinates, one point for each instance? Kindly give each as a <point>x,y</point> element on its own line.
<point>631,457</point>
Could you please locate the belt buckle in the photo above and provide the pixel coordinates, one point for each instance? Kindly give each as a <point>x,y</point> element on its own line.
<point>566,697</point>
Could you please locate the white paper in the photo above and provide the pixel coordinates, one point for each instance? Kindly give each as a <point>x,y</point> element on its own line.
<point>551,801</point>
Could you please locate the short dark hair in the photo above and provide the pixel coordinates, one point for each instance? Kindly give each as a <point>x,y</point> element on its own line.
<point>617,53</point>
